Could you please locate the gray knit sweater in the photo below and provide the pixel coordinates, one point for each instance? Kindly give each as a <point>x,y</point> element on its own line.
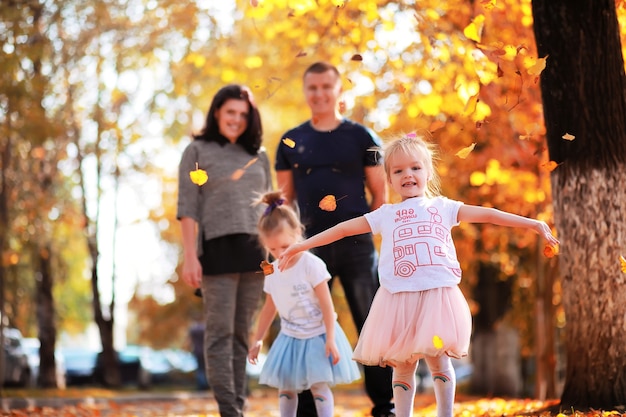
<point>224,204</point>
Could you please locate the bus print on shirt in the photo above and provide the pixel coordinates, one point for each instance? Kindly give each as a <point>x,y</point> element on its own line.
<point>422,243</point>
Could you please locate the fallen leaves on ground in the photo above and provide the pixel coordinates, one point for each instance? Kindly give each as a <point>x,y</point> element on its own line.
<point>264,403</point>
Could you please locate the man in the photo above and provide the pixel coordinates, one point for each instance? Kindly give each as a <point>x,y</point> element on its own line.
<point>329,155</point>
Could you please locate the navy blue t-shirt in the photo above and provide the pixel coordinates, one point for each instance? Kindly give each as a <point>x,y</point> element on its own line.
<point>329,163</point>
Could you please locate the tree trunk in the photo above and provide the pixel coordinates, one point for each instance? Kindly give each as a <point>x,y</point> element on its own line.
<point>584,94</point>
<point>45,320</point>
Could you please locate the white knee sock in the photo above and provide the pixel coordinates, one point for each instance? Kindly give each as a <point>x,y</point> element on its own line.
<point>403,382</point>
<point>287,403</point>
<point>444,383</point>
<point>324,400</point>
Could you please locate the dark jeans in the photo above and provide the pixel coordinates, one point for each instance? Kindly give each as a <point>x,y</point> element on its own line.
<point>354,261</point>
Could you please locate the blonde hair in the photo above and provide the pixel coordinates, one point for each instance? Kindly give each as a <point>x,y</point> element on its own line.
<point>414,144</point>
<point>278,215</point>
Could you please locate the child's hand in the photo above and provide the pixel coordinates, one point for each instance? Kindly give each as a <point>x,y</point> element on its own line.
<point>284,258</point>
<point>253,352</point>
<point>332,351</point>
<point>544,230</point>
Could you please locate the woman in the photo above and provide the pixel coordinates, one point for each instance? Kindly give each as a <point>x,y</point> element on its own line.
<point>220,244</point>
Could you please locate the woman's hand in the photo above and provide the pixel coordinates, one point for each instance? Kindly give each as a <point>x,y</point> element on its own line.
<point>253,352</point>
<point>192,271</point>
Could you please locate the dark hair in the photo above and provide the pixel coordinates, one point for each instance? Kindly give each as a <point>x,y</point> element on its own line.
<point>251,139</point>
<point>321,67</point>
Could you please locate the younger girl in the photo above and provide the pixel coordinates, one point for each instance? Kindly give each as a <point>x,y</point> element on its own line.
<point>419,311</point>
<point>311,350</point>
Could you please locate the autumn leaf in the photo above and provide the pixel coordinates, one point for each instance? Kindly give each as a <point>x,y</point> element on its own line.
<point>198,176</point>
<point>550,165</point>
<point>474,30</point>
<point>239,172</point>
<point>470,106</point>
<point>569,137</point>
<point>328,203</point>
<point>437,342</point>
<point>289,142</point>
<point>538,67</point>
<point>436,125</point>
<point>301,54</point>
<point>356,57</point>
<point>622,263</point>
<point>267,268</point>
<point>550,251</point>
<point>463,153</point>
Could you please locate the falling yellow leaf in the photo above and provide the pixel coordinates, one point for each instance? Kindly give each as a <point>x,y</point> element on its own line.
<point>538,67</point>
<point>567,136</point>
<point>470,106</point>
<point>463,153</point>
<point>550,251</point>
<point>550,165</point>
<point>198,176</point>
<point>622,263</point>
<point>474,30</point>
<point>289,142</point>
<point>328,203</point>
<point>437,342</point>
<point>267,268</point>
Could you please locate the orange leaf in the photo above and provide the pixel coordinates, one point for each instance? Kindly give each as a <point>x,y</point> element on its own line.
<point>550,251</point>
<point>470,106</point>
<point>569,137</point>
<point>289,142</point>
<point>267,268</point>
<point>328,203</point>
<point>240,171</point>
<point>538,67</point>
<point>436,125</point>
<point>463,153</point>
<point>550,165</point>
<point>198,176</point>
<point>622,263</point>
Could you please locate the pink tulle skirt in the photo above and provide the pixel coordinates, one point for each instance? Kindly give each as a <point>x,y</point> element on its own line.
<point>403,327</point>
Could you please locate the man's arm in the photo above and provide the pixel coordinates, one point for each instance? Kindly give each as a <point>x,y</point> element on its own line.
<point>284,179</point>
<point>376,184</point>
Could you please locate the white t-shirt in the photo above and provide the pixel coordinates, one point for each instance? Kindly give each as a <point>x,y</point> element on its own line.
<point>417,252</point>
<point>294,296</point>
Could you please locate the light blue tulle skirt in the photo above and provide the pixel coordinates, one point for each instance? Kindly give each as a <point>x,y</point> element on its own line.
<point>296,364</point>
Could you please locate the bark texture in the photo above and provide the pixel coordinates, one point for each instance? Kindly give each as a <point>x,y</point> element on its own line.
<point>584,94</point>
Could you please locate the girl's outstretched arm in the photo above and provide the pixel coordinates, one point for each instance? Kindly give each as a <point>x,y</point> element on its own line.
<point>356,226</point>
<point>478,214</point>
<point>328,313</point>
<point>266,316</point>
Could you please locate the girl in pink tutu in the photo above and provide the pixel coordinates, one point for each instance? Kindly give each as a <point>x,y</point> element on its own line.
<point>311,351</point>
<point>419,310</point>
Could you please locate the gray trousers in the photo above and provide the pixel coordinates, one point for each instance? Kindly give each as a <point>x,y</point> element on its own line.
<point>229,300</point>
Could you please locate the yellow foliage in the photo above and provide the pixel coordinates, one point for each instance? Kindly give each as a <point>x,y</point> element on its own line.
<point>253,62</point>
<point>430,105</point>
